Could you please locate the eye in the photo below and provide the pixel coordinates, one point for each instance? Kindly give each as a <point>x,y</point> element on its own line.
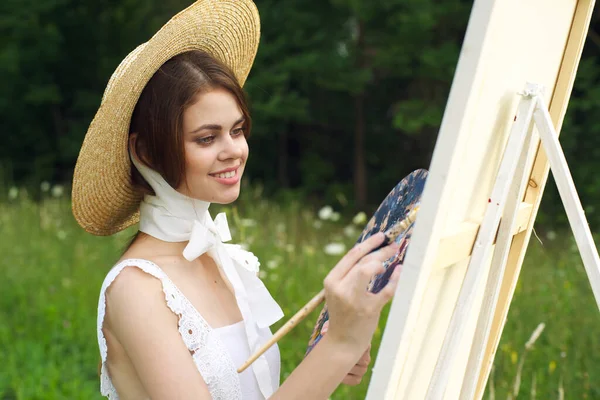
<point>238,132</point>
<point>205,140</point>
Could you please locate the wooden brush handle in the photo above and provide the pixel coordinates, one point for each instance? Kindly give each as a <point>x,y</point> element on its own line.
<point>390,235</point>
<point>299,316</point>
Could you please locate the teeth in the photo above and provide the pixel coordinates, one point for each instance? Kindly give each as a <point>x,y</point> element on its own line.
<point>229,174</point>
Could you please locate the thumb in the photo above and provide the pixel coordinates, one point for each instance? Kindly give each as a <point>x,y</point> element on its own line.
<point>325,327</point>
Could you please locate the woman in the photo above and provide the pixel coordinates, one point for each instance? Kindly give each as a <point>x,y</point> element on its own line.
<point>181,310</point>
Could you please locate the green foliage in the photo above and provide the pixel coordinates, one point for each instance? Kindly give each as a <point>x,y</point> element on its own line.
<point>580,139</point>
<point>52,273</point>
<point>56,57</point>
<point>324,71</point>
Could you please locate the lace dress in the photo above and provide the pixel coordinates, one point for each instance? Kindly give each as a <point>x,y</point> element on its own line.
<point>216,352</point>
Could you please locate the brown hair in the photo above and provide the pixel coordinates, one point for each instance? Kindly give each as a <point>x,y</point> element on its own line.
<point>158,115</point>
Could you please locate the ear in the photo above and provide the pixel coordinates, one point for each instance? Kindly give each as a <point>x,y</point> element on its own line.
<point>134,147</point>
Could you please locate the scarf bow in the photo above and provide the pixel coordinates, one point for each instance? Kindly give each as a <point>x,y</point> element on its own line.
<point>240,267</point>
<point>173,217</point>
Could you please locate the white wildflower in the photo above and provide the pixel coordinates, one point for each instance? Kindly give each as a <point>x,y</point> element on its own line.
<point>57,191</point>
<point>247,222</point>
<point>335,216</point>
<point>62,235</point>
<point>45,186</point>
<point>13,192</point>
<point>290,247</point>
<point>262,274</point>
<point>325,212</point>
<point>360,218</point>
<point>551,235</point>
<point>350,231</point>
<point>272,264</point>
<point>334,249</point>
<point>317,224</point>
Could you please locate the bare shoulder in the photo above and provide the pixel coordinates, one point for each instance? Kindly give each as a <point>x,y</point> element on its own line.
<point>134,297</point>
<point>132,279</point>
<point>144,331</point>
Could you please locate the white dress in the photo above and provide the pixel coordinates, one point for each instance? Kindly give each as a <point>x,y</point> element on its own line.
<point>216,352</point>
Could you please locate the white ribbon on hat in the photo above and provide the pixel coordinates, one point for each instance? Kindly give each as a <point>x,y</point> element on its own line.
<point>174,217</point>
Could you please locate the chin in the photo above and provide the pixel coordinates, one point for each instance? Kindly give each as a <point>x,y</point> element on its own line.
<point>223,202</point>
<point>226,199</point>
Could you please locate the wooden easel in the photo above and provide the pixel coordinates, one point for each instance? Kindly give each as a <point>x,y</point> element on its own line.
<point>499,223</point>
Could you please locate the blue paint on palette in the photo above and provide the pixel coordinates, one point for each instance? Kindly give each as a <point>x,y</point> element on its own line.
<point>394,208</point>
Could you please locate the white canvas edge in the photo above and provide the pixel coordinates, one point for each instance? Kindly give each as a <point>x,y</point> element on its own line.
<point>419,259</point>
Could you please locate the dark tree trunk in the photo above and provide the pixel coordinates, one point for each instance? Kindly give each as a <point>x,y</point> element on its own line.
<point>360,170</point>
<point>360,173</point>
<point>282,164</point>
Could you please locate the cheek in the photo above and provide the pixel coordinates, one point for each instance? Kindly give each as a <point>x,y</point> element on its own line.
<point>196,160</point>
<point>245,149</point>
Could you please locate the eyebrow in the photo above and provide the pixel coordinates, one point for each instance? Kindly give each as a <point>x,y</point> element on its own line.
<point>216,127</point>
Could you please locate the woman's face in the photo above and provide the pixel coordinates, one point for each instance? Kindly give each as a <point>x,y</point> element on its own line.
<point>215,148</point>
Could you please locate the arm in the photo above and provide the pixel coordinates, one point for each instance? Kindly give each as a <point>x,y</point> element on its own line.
<point>354,314</point>
<point>358,371</point>
<point>320,373</point>
<point>147,329</point>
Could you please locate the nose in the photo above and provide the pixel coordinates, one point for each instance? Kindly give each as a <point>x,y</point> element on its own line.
<point>232,148</point>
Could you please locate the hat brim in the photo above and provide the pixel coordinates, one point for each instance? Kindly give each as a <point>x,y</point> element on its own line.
<point>104,200</point>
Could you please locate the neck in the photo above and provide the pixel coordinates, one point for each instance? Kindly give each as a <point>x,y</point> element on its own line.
<point>168,215</point>
<point>151,246</point>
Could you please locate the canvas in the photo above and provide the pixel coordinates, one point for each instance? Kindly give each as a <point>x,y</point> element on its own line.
<point>507,44</point>
<point>395,207</point>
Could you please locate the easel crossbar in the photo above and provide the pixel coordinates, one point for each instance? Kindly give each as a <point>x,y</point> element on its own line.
<point>458,245</point>
<point>508,188</point>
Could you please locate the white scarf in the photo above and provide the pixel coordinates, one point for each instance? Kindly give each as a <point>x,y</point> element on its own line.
<point>173,217</point>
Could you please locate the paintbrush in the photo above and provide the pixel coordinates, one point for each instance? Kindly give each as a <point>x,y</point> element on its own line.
<point>390,235</point>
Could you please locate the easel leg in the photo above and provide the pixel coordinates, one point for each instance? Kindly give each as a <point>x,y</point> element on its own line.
<point>496,272</point>
<point>483,245</point>
<point>569,197</point>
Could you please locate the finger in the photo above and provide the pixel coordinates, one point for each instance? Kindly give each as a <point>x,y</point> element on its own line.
<point>365,359</point>
<point>362,274</point>
<point>390,289</point>
<point>325,327</point>
<point>358,370</point>
<point>382,254</point>
<point>355,254</point>
<point>363,363</point>
<point>352,380</point>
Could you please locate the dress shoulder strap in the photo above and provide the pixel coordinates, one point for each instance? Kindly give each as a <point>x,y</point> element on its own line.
<point>196,326</point>
<point>209,353</point>
<point>144,265</point>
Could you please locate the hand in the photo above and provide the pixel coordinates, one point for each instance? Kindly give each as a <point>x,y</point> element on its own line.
<point>357,372</point>
<point>354,377</point>
<point>353,311</point>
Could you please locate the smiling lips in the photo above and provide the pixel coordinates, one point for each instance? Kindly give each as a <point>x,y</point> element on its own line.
<point>228,176</point>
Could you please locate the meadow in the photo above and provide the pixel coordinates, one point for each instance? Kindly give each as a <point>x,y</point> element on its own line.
<point>51,272</point>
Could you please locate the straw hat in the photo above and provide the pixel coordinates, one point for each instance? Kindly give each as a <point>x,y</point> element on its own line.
<point>104,200</point>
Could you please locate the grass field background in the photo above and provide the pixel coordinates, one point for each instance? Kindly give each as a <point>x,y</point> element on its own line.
<point>51,272</point>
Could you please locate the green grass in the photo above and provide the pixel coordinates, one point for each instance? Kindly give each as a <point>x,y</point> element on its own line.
<point>51,272</point>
